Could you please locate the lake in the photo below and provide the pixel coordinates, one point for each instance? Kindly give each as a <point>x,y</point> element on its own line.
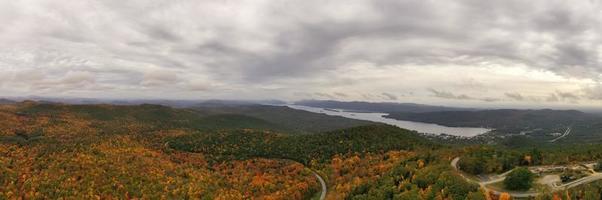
<point>416,126</point>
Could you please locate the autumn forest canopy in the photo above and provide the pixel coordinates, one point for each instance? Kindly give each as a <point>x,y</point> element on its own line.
<point>301,99</point>
<point>151,151</point>
<point>52,150</point>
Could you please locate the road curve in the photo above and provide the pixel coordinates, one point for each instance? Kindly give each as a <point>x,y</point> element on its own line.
<point>584,180</point>
<point>323,183</point>
<point>567,132</point>
<point>484,184</point>
<point>594,177</point>
<point>320,179</point>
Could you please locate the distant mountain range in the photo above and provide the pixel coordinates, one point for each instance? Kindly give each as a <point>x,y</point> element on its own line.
<point>220,103</point>
<point>498,119</point>
<point>383,107</point>
<point>537,124</point>
<point>6,101</point>
<point>165,102</point>
<point>296,121</point>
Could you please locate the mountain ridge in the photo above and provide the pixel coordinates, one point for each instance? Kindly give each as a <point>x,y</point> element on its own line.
<point>385,107</point>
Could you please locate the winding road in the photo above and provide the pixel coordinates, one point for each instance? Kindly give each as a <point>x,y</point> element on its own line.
<point>323,183</point>
<point>320,179</point>
<point>567,132</point>
<point>498,178</point>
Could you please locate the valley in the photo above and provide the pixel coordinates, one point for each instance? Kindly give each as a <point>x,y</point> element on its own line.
<point>426,128</point>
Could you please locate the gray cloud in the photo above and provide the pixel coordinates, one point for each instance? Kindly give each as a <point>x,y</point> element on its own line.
<point>448,95</point>
<point>389,96</point>
<point>72,80</point>
<point>552,98</point>
<point>300,46</point>
<point>490,99</point>
<point>515,96</point>
<point>159,78</point>
<point>340,94</point>
<point>593,92</point>
<point>323,95</point>
<point>560,96</point>
<point>568,96</point>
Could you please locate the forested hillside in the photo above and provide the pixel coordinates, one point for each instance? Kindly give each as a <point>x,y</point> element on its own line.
<point>537,127</point>
<point>427,176</point>
<point>48,151</point>
<point>318,147</point>
<point>297,121</point>
<point>117,152</point>
<point>506,119</point>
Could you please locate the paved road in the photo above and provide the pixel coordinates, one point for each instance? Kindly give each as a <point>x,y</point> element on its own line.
<point>594,177</point>
<point>323,183</point>
<point>567,132</point>
<point>496,179</point>
<point>584,180</point>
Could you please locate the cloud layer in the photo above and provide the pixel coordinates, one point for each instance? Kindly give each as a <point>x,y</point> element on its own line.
<point>391,50</point>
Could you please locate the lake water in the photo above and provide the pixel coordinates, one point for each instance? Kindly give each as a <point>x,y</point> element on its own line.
<point>416,126</point>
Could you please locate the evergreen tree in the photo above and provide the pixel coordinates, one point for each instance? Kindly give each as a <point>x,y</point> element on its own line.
<point>519,179</point>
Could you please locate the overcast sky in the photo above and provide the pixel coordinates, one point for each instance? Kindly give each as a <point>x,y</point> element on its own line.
<point>457,52</point>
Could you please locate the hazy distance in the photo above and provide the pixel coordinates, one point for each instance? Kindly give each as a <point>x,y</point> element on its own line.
<point>457,53</point>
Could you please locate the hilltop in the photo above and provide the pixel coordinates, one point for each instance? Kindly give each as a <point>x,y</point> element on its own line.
<point>296,121</point>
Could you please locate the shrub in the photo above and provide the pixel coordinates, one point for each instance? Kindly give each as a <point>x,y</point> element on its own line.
<point>519,179</point>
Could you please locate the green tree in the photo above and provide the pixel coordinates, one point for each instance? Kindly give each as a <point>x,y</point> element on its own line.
<point>475,196</point>
<point>588,194</point>
<point>519,179</point>
<point>472,165</point>
<point>599,166</point>
<point>537,156</point>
